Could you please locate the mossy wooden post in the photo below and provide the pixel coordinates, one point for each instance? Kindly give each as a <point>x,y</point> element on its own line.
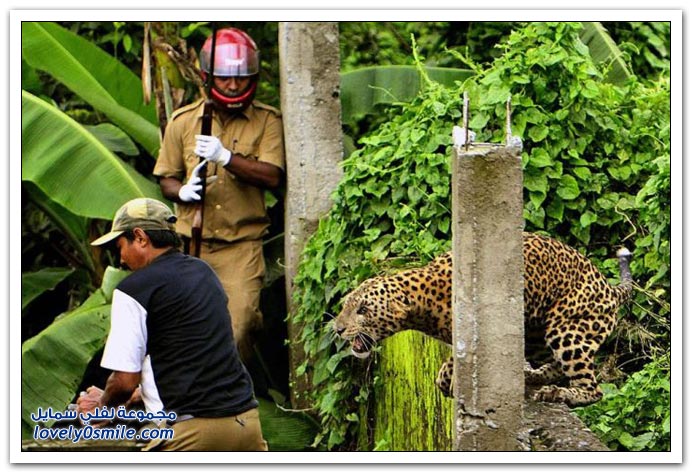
<point>311,108</point>
<point>487,301</point>
<point>410,413</point>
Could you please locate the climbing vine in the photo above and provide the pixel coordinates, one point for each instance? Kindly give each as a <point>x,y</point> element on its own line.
<point>393,201</point>
<point>596,165</point>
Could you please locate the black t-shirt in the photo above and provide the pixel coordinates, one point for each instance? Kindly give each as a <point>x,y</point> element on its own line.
<point>170,321</point>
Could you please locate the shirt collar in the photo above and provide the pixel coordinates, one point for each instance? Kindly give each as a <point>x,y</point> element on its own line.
<point>248,112</point>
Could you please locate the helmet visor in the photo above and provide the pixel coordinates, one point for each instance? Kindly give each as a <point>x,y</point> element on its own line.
<point>232,60</point>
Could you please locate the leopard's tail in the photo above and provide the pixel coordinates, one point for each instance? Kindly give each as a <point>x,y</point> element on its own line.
<point>624,289</point>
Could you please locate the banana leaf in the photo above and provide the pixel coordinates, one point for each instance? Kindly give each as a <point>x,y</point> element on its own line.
<point>72,167</point>
<point>30,79</point>
<point>363,89</point>
<point>98,78</point>
<point>603,49</point>
<point>36,283</point>
<point>74,228</point>
<point>113,138</point>
<point>53,362</point>
<point>286,431</point>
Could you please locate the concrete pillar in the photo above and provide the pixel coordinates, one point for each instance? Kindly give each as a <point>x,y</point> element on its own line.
<point>311,108</point>
<point>488,335</point>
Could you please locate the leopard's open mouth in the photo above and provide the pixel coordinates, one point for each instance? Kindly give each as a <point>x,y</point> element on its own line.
<point>361,345</point>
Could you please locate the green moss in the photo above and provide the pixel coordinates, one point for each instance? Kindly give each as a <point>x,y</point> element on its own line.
<point>410,413</point>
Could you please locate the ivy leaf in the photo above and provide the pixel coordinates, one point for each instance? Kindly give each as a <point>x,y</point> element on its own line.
<point>590,90</point>
<point>496,95</point>
<point>478,121</point>
<point>568,188</point>
<point>582,173</point>
<point>535,182</point>
<point>588,218</point>
<point>533,115</point>
<point>538,133</point>
<point>637,443</point>
<point>537,198</point>
<point>555,209</point>
<point>540,157</point>
<point>335,360</point>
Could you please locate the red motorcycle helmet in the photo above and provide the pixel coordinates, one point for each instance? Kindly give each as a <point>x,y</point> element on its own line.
<point>236,55</point>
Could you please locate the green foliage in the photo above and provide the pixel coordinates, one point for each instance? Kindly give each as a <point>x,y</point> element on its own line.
<point>603,49</point>
<point>96,77</point>
<point>596,175</point>
<point>74,168</point>
<point>36,283</point>
<point>636,416</point>
<point>388,43</point>
<point>49,380</point>
<point>120,39</point>
<point>285,431</point>
<point>393,201</point>
<point>647,44</point>
<point>364,89</point>
<point>597,156</point>
<point>596,159</point>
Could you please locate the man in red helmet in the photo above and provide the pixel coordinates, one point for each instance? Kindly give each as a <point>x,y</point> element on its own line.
<point>245,156</point>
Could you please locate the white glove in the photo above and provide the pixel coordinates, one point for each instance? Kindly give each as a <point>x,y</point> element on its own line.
<point>188,192</point>
<point>210,147</point>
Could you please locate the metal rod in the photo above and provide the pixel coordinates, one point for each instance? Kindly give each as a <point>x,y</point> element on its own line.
<point>508,127</point>
<point>466,120</point>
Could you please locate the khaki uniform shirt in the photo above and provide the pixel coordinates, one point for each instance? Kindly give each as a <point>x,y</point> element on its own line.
<point>233,210</point>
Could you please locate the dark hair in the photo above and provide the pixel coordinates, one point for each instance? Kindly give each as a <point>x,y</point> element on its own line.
<point>159,238</point>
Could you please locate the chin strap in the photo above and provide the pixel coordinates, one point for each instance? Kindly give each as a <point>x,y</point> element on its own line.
<point>240,101</point>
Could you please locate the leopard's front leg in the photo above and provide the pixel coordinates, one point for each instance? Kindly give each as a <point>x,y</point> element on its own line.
<point>444,378</point>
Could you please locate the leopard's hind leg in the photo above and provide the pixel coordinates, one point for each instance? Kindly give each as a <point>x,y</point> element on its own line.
<point>545,374</point>
<point>574,342</point>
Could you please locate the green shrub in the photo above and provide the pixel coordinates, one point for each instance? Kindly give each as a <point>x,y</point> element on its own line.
<point>636,416</point>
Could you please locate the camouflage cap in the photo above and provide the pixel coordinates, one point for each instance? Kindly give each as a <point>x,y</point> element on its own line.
<point>144,213</point>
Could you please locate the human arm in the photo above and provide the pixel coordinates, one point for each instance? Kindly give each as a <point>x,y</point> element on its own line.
<point>255,172</point>
<point>124,355</point>
<point>121,389</point>
<point>170,188</point>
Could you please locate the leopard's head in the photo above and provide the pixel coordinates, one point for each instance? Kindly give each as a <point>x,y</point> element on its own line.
<point>371,312</point>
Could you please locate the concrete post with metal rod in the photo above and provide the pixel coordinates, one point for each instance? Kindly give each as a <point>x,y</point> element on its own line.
<point>488,284</point>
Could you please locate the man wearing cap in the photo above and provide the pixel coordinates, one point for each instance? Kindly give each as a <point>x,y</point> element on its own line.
<point>171,336</point>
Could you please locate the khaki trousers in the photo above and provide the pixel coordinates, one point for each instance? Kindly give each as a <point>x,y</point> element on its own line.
<point>240,267</point>
<point>241,433</point>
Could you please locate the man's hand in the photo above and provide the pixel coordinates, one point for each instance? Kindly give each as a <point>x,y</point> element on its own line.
<point>210,148</point>
<point>189,192</point>
<point>89,400</point>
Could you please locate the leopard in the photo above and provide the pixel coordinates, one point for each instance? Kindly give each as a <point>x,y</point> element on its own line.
<point>570,309</point>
